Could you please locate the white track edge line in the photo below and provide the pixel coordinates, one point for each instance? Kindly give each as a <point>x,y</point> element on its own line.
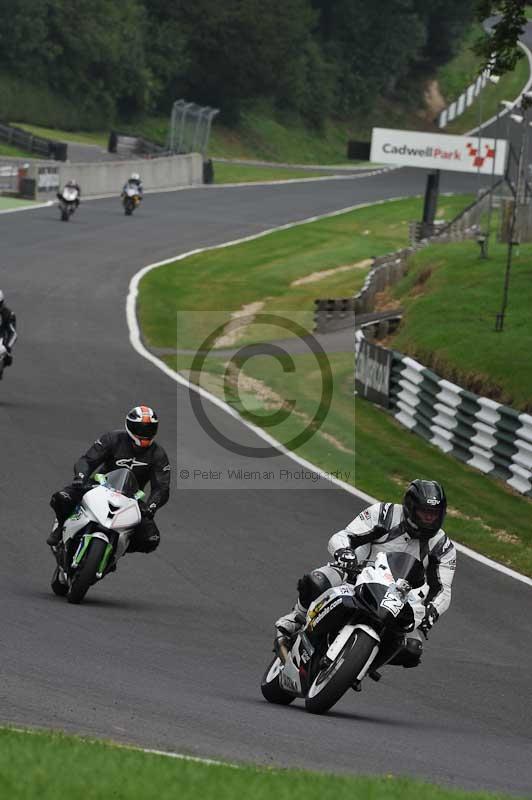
<point>28,208</point>
<point>136,342</point>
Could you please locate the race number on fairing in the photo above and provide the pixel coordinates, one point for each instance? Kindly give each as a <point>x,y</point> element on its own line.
<point>392,603</point>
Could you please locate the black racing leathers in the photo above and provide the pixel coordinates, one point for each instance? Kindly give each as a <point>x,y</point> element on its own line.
<point>112,451</point>
<point>8,327</point>
<point>116,449</point>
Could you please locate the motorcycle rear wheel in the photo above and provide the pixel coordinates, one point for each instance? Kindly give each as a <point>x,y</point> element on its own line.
<point>85,575</point>
<point>331,683</point>
<point>270,687</point>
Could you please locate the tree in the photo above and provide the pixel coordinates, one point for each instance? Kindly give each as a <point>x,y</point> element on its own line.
<point>500,49</point>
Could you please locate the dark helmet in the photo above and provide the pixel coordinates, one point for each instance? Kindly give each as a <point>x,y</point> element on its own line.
<point>141,424</point>
<point>424,508</point>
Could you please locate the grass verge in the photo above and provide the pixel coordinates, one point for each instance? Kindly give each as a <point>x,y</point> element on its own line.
<point>488,102</point>
<point>489,363</point>
<point>335,252</point>
<point>80,137</point>
<point>380,455</point>
<point>7,203</point>
<point>243,173</point>
<point>35,765</point>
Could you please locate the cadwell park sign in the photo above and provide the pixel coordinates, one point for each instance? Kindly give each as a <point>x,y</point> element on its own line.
<point>439,151</point>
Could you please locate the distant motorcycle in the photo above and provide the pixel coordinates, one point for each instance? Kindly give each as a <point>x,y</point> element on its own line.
<point>97,534</point>
<point>130,199</point>
<point>345,629</point>
<point>67,202</point>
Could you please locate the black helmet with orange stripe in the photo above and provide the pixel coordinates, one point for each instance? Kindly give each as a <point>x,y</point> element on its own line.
<point>141,424</point>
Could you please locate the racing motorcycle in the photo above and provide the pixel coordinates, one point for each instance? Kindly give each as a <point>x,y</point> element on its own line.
<point>67,202</point>
<point>97,534</point>
<point>350,631</point>
<point>131,199</point>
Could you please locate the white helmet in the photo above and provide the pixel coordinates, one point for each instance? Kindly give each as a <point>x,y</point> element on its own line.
<point>1,297</point>
<point>135,176</point>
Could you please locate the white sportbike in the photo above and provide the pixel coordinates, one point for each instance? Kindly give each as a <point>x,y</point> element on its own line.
<point>97,534</point>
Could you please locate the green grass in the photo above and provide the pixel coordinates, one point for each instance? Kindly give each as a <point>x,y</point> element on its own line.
<point>81,137</point>
<point>264,269</point>
<point>12,202</point>
<point>462,69</point>
<point>47,766</point>
<point>488,102</point>
<point>15,152</point>
<point>243,173</point>
<point>382,457</point>
<point>496,364</point>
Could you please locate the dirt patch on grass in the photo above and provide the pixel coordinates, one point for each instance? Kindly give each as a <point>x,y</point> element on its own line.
<point>270,400</point>
<point>500,535</point>
<point>385,302</point>
<point>476,382</point>
<point>434,100</point>
<point>314,277</point>
<point>235,329</point>
<point>420,282</point>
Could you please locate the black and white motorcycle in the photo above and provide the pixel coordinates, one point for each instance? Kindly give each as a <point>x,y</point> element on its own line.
<point>97,534</point>
<point>68,202</point>
<point>350,631</point>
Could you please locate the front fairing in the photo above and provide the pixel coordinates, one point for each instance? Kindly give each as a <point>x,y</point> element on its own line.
<point>110,509</point>
<point>376,590</point>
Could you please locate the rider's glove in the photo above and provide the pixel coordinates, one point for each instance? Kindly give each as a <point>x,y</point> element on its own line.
<point>378,531</point>
<point>431,616</point>
<point>148,512</point>
<point>79,481</point>
<point>346,558</point>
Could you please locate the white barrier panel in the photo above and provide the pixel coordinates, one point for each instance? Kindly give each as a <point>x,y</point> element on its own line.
<point>108,177</point>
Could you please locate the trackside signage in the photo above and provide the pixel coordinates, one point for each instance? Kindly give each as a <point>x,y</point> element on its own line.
<point>372,373</point>
<point>439,151</point>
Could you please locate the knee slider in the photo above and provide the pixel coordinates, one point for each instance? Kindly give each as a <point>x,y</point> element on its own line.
<point>412,652</point>
<point>310,586</point>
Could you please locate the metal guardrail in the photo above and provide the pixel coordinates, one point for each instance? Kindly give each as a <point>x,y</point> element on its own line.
<point>45,148</point>
<point>127,145</point>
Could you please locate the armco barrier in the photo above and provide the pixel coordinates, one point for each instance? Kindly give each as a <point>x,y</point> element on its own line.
<point>491,437</point>
<point>45,148</point>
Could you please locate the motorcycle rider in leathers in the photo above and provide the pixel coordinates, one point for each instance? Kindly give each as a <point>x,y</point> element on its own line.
<point>415,527</point>
<point>8,331</point>
<point>134,449</point>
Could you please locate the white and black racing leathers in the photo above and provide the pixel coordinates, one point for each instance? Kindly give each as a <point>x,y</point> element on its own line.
<point>365,535</point>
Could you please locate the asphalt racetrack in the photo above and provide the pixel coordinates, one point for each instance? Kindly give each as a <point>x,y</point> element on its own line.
<point>168,652</point>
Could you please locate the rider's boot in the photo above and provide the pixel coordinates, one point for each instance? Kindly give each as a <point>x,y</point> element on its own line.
<point>54,536</point>
<point>288,626</point>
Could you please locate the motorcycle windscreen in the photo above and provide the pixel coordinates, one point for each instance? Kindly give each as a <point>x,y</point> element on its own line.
<point>404,565</point>
<point>123,481</point>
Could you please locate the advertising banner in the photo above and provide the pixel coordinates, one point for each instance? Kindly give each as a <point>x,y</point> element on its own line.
<point>372,373</point>
<point>439,151</point>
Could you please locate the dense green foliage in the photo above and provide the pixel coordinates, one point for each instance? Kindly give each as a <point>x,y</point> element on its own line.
<point>313,57</point>
<point>500,51</point>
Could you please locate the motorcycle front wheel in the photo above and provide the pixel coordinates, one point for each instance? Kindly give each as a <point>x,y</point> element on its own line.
<point>85,575</point>
<point>270,687</point>
<point>332,682</point>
